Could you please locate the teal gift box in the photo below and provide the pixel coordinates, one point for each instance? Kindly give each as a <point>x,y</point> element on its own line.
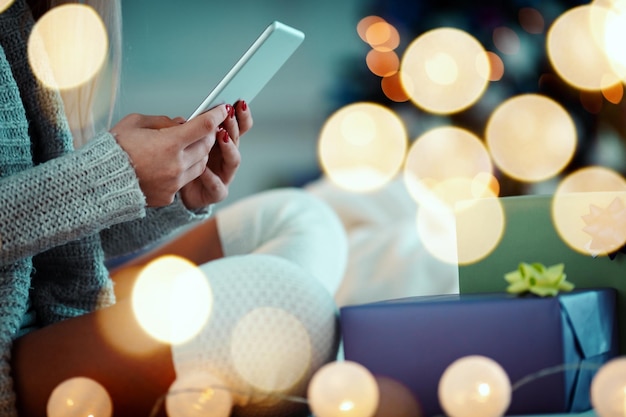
<point>550,347</point>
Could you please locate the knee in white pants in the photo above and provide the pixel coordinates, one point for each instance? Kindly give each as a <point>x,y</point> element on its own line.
<point>272,326</point>
<point>292,224</point>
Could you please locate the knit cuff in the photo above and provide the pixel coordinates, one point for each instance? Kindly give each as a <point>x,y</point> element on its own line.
<point>114,180</point>
<point>68,198</point>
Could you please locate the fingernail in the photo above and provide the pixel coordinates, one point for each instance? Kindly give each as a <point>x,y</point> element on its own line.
<point>231,110</point>
<point>226,137</point>
<point>244,105</point>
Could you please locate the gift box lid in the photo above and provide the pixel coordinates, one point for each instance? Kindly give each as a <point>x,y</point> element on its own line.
<point>414,339</point>
<point>530,236</point>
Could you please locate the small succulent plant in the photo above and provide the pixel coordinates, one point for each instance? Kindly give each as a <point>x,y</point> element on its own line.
<point>538,279</point>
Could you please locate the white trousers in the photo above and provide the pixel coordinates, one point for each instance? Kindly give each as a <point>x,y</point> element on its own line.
<point>274,319</point>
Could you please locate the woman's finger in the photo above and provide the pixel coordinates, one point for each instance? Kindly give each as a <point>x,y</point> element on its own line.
<point>205,124</point>
<point>230,157</point>
<point>244,117</point>
<point>231,126</point>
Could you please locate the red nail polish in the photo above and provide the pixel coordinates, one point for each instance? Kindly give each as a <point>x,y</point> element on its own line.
<point>231,110</point>
<point>244,105</point>
<point>226,137</point>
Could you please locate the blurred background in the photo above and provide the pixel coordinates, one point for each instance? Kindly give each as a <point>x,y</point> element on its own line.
<point>352,54</point>
<point>176,52</point>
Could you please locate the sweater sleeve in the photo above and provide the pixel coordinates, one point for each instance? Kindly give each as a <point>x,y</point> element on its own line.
<point>67,198</point>
<point>128,238</point>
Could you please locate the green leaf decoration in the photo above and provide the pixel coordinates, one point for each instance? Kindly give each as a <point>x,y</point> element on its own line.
<point>538,279</point>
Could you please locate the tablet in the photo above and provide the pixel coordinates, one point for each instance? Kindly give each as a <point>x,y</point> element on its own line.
<point>255,68</point>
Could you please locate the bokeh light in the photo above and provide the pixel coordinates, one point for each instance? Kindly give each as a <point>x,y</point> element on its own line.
<point>5,4</point>
<point>474,386</point>
<point>395,399</point>
<point>608,389</point>
<point>365,23</point>
<point>271,358</point>
<point>497,66</point>
<point>575,48</point>
<point>343,389</point>
<point>198,394</point>
<point>592,101</point>
<point>172,299</point>
<point>382,63</point>
<point>612,33</point>
<point>393,89</point>
<point>531,20</point>
<point>447,170</point>
<point>79,397</point>
<point>614,93</point>
<point>445,70</point>
<point>445,162</point>
<point>436,228</point>
<point>531,137</point>
<point>362,146</point>
<point>479,228</point>
<point>465,233</point>
<point>68,46</point>
<point>589,210</point>
<point>382,36</point>
<point>506,40</point>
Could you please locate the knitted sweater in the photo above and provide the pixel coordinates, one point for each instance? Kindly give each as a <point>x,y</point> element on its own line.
<point>63,211</point>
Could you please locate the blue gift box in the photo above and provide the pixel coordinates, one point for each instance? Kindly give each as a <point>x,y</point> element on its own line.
<point>550,347</point>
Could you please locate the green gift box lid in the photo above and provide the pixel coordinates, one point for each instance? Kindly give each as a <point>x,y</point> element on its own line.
<point>530,235</point>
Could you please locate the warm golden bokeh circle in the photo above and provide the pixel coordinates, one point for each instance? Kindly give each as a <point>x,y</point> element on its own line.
<point>172,299</point>
<point>575,47</point>
<point>464,234</point>
<point>444,163</point>
<point>445,70</point>
<point>436,229</point>
<point>531,137</point>
<point>589,210</point>
<point>613,34</point>
<point>282,352</point>
<point>5,4</point>
<point>68,46</point>
<point>362,146</point>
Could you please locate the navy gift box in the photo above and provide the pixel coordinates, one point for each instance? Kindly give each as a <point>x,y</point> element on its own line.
<point>414,339</point>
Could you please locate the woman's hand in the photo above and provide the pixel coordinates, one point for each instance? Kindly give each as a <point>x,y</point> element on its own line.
<point>169,153</point>
<point>224,160</point>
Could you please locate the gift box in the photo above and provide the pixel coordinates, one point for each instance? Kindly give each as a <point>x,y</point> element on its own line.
<point>564,339</point>
<point>530,236</point>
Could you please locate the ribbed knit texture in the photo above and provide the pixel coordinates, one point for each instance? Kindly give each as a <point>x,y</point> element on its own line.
<point>56,202</point>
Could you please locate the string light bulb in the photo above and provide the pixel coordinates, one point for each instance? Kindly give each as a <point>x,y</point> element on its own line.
<point>608,389</point>
<point>474,386</point>
<point>198,394</point>
<point>343,389</point>
<point>79,397</point>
